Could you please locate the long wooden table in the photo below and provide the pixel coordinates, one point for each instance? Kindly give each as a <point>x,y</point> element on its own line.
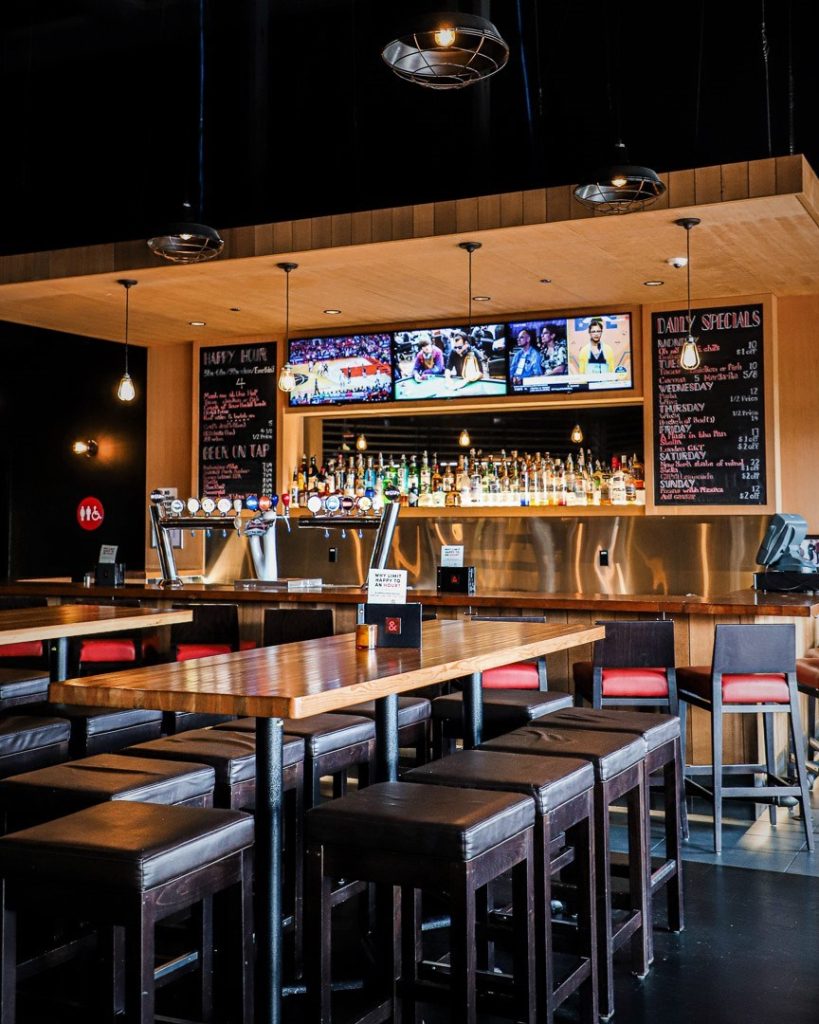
<point>61,622</point>
<point>303,679</point>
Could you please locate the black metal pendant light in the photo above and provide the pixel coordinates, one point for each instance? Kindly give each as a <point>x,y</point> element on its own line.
<point>189,241</point>
<point>449,50</point>
<point>622,187</point>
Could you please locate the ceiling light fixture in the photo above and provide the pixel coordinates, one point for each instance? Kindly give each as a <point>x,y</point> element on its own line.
<point>654,283</point>
<point>287,379</point>
<point>690,351</point>
<point>464,440</point>
<point>447,51</point>
<point>620,188</point>
<point>126,392</point>
<point>469,248</point>
<point>188,241</point>
<point>197,323</point>
<point>576,436</point>
<point>332,312</point>
<point>481,298</point>
<point>87,448</point>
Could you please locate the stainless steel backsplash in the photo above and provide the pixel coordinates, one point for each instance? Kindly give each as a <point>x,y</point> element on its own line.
<point>647,555</point>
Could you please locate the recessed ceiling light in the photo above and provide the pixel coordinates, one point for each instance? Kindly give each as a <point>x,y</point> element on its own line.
<point>481,298</point>
<point>332,312</point>
<point>197,323</point>
<point>653,284</point>
<point>235,309</point>
<point>545,280</point>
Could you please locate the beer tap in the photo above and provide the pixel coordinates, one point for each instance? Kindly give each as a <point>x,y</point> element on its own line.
<point>285,499</point>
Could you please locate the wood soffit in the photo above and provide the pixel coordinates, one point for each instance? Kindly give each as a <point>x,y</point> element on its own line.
<point>759,234</point>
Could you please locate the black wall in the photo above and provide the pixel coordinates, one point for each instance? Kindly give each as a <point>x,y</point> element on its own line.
<point>56,389</point>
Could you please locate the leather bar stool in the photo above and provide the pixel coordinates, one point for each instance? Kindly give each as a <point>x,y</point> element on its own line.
<point>333,744</point>
<point>430,838</point>
<point>127,866</point>
<point>47,793</point>
<point>27,743</point>
<point>519,675</point>
<point>214,629</point>
<point>22,686</point>
<point>562,791</point>
<point>414,717</point>
<point>753,672</point>
<point>503,711</point>
<point>101,730</point>
<point>175,722</point>
<point>617,759</point>
<point>28,654</point>
<point>662,737</point>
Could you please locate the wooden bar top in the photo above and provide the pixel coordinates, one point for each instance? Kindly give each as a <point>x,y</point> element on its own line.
<point>303,679</point>
<point>18,625</point>
<point>740,602</point>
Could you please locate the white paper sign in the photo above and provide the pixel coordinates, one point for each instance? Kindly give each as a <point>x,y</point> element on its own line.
<point>452,554</point>
<point>108,553</point>
<point>387,586</point>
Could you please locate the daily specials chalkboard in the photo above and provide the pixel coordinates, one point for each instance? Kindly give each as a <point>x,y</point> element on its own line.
<point>709,423</point>
<point>237,420</point>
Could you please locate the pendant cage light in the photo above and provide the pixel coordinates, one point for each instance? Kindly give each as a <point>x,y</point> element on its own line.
<point>126,392</point>
<point>469,248</point>
<point>690,351</point>
<point>287,379</point>
<point>449,50</point>
<point>620,188</point>
<point>189,241</point>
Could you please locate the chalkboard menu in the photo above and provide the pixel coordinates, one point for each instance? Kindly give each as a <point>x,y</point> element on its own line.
<point>709,423</point>
<point>237,420</point>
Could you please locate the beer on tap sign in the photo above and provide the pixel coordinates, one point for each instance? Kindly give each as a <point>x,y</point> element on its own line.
<point>237,420</point>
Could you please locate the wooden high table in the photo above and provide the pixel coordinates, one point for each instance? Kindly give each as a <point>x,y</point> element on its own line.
<point>303,679</point>
<point>61,622</point>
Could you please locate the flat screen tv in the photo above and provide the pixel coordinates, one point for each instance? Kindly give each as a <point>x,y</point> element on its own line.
<point>568,354</point>
<point>449,362</point>
<point>336,371</point>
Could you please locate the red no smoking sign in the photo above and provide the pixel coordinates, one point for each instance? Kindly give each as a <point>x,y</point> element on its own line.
<point>90,513</point>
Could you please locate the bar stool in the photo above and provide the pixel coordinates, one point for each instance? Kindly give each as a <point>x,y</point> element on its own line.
<point>617,759</point>
<point>27,743</point>
<point>753,672</point>
<point>414,717</point>
<point>22,686</point>
<point>127,866</point>
<point>28,654</point>
<point>519,675</point>
<point>333,744</point>
<point>214,629</point>
<point>289,625</point>
<point>562,790</point>
<point>503,711</point>
<point>662,737</point>
<point>101,730</point>
<point>452,841</point>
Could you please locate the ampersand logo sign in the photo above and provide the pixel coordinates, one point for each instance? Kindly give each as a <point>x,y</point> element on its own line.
<point>90,513</point>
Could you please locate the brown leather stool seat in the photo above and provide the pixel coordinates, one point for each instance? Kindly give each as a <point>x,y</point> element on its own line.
<point>439,838</point>
<point>174,722</point>
<point>22,686</point>
<point>47,793</point>
<point>101,730</point>
<point>503,711</point>
<point>618,760</point>
<point>333,744</point>
<point>27,743</point>
<point>562,790</point>
<point>414,716</point>
<point>131,865</point>
<point>662,736</point>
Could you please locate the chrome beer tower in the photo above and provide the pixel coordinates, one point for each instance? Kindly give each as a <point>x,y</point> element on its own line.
<point>383,524</point>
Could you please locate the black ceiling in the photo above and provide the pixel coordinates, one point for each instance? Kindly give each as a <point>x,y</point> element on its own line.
<point>99,108</point>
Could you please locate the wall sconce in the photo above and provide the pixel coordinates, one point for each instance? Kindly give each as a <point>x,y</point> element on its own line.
<point>464,440</point>
<point>361,443</point>
<point>87,448</point>
<point>576,436</point>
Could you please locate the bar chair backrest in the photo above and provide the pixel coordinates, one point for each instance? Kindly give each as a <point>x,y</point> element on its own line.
<point>290,625</point>
<point>542,677</point>
<point>636,644</point>
<point>754,649</point>
<point>213,625</point>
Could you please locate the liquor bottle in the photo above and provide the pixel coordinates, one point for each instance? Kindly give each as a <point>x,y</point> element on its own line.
<point>437,483</point>
<point>425,479</point>
<point>294,489</point>
<point>475,482</point>
<point>462,480</point>
<point>403,475</point>
<point>369,477</point>
<point>617,487</point>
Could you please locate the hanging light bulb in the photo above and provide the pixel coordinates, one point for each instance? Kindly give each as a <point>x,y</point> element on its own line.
<point>126,392</point>
<point>287,379</point>
<point>690,351</point>
<point>622,187</point>
<point>464,440</point>
<point>576,436</point>
<point>361,443</point>
<point>445,36</point>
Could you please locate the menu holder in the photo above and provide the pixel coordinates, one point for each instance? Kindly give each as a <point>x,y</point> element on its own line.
<point>399,625</point>
<point>452,579</point>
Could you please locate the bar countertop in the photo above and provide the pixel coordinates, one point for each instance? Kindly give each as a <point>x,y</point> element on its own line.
<point>740,602</point>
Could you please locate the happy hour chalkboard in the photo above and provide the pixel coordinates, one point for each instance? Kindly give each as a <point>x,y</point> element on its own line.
<point>237,420</point>
<point>709,423</point>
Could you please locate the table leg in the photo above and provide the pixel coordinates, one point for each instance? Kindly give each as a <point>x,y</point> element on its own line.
<point>268,872</point>
<point>473,711</point>
<point>58,659</point>
<point>386,738</point>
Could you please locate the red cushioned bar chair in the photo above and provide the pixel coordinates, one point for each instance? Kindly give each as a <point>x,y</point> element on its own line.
<point>753,672</point>
<point>520,675</point>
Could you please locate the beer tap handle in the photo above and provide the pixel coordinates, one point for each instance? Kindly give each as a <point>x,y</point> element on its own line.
<point>326,534</point>
<point>285,499</point>
<point>343,534</point>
